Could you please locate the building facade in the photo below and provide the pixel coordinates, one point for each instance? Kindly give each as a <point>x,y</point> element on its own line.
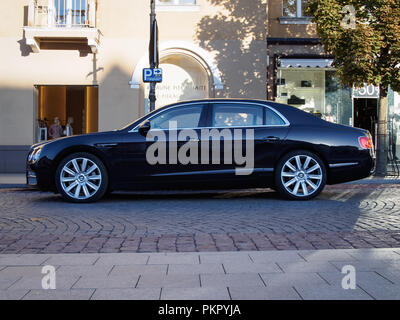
<point>75,66</point>
<point>80,62</point>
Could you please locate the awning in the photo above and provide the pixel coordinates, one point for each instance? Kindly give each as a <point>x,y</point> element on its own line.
<point>306,63</point>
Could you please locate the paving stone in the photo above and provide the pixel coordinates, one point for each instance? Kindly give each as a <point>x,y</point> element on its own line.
<point>173,259</point>
<point>149,269</point>
<point>362,277</point>
<point>204,268</point>
<point>12,294</point>
<point>208,293</point>
<point>127,294</point>
<point>35,282</point>
<point>74,294</point>
<point>225,258</point>
<point>291,279</point>
<point>251,268</point>
<point>331,293</point>
<point>369,265</point>
<point>382,292</point>
<point>172,281</point>
<point>275,256</point>
<point>318,266</point>
<point>228,280</point>
<point>26,260</point>
<point>109,282</point>
<point>260,293</point>
<point>72,259</point>
<point>123,259</point>
<point>85,270</point>
<point>325,255</point>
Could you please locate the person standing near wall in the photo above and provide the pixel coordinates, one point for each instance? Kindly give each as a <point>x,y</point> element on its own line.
<point>56,129</point>
<point>68,128</point>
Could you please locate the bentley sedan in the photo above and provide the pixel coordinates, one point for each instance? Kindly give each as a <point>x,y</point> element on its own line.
<point>206,144</point>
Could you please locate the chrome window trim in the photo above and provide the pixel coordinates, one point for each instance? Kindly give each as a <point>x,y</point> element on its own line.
<point>287,123</point>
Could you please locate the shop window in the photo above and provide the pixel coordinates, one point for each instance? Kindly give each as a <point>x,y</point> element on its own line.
<point>66,111</point>
<point>316,91</point>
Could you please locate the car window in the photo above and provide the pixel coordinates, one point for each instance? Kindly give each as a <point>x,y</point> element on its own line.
<point>239,115</point>
<point>272,118</point>
<point>185,116</point>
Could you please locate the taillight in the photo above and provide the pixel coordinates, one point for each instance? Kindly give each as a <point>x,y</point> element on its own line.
<point>366,142</point>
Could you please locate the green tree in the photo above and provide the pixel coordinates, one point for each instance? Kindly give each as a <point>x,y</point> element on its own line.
<point>364,37</point>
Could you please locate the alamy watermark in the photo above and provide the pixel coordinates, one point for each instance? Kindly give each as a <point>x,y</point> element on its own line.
<point>349,280</point>
<point>188,146</point>
<point>49,280</point>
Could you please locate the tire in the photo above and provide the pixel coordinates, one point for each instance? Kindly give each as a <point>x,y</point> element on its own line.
<point>300,175</point>
<point>81,178</point>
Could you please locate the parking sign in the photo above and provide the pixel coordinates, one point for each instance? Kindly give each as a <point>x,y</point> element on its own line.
<point>152,75</point>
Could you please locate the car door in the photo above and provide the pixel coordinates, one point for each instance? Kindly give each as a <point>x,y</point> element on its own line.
<point>252,134</point>
<point>180,127</point>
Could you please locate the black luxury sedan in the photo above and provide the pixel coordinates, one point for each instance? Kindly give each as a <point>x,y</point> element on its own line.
<point>206,144</point>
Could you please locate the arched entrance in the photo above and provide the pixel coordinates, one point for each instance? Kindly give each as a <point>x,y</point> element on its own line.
<point>189,72</point>
<point>184,78</point>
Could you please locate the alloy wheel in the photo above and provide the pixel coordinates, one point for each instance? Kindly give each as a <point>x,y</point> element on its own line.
<point>301,175</point>
<point>80,178</point>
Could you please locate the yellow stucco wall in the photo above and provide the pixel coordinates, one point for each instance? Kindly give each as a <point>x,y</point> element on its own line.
<point>234,33</point>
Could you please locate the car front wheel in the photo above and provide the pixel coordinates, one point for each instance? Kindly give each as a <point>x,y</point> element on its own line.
<point>300,175</point>
<point>81,177</point>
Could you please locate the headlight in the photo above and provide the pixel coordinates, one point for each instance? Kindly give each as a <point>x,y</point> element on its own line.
<point>34,155</point>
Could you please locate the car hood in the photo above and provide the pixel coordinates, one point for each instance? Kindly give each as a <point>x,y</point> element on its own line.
<point>72,138</point>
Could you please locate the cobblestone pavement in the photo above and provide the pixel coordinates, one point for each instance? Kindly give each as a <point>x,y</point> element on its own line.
<point>343,216</point>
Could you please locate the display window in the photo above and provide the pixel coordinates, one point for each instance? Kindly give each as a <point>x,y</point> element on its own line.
<point>317,91</point>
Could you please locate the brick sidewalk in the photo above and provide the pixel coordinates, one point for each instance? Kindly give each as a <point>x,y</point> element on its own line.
<point>204,276</point>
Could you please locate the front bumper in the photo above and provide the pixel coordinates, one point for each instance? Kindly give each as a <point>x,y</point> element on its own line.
<point>31,179</point>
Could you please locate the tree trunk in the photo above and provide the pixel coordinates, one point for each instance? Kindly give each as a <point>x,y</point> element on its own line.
<point>382,139</point>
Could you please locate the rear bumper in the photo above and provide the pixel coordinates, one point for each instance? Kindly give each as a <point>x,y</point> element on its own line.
<point>350,171</point>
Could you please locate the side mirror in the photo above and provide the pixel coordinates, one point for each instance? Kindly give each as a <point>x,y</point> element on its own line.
<point>144,128</point>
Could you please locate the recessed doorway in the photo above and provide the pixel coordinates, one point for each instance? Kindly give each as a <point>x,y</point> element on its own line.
<point>366,114</point>
<point>65,110</point>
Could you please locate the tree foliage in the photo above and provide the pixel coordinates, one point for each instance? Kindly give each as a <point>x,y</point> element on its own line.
<point>369,50</point>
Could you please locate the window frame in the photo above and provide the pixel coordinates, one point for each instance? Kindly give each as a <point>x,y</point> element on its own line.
<point>202,120</point>
<point>205,121</point>
<point>299,11</point>
<point>286,123</point>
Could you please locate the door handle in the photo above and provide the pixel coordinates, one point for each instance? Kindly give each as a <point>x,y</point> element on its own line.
<point>271,138</point>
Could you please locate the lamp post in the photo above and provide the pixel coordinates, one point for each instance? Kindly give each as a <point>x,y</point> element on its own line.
<point>153,52</point>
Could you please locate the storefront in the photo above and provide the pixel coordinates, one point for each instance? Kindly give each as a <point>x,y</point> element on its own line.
<point>310,84</point>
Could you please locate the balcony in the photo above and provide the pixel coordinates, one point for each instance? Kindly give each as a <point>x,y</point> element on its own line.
<point>62,25</point>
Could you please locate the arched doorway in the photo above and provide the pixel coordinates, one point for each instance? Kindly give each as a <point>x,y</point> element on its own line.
<point>184,78</point>
<point>189,72</point>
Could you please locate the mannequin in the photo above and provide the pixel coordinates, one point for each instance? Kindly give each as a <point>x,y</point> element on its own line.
<point>68,128</point>
<point>55,130</point>
<point>329,116</point>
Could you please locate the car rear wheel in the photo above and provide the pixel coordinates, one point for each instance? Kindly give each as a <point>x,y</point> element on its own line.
<point>81,177</point>
<point>300,175</point>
